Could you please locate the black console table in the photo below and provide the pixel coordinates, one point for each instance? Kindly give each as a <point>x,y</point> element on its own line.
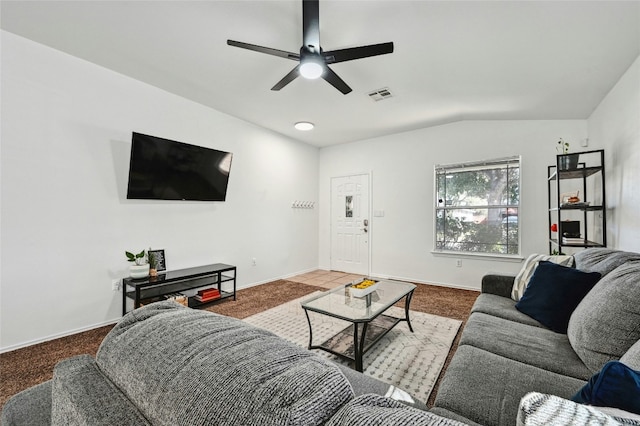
<point>151,289</point>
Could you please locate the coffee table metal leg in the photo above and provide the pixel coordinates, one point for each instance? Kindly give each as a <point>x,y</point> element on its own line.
<point>407,302</point>
<point>358,345</point>
<point>310,330</point>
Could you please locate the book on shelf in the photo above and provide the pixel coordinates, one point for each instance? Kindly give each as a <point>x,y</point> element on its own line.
<point>207,294</point>
<point>206,298</point>
<point>208,291</point>
<point>569,240</point>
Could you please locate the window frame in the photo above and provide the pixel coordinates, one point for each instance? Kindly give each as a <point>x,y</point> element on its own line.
<point>457,167</point>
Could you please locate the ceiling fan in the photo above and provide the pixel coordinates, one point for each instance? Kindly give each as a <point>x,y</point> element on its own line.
<point>313,60</point>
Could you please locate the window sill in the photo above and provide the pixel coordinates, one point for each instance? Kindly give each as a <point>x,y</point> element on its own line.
<point>483,256</point>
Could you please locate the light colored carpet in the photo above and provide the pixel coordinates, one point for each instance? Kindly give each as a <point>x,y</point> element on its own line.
<point>410,361</point>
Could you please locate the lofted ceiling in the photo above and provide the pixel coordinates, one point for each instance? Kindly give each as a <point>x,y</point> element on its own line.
<point>453,60</point>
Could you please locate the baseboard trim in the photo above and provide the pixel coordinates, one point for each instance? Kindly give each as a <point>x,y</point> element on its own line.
<point>57,336</point>
<point>115,320</point>
<point>413,280</point>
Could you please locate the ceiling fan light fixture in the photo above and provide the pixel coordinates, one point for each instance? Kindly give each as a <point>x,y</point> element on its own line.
<point>311,69</point>
<point>304,126</point>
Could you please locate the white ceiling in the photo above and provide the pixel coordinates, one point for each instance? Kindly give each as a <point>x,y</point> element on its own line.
<point>453,60</point>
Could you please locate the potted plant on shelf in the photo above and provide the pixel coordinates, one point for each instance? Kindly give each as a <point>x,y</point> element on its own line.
<point>140,267</point>
<point>566,161</point>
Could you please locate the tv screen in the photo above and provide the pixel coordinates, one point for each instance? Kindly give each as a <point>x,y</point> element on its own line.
<point>162,169</point>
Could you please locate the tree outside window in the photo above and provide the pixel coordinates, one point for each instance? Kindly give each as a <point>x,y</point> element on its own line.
<point>477,207</point>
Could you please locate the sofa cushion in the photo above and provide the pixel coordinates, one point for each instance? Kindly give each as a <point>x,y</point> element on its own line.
<point>521,281</point>
<point>605,324</point>
<point>186,366</point>
<point>554,292</point>
<point>82,395</point>
<point>487,388</point>
<point>616,385</point>
<point>502,307</point>
<point>603,260</point>
<point>32,406</point>
<point>372,409</point>
<point>534,346</point>
<point>540,409</point>
<point>454,416</point>
<point>631,357</point>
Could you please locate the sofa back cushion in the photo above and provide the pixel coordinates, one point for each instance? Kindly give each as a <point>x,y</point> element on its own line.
<point>603,260</point>
<point>184,366</point>
<point>605,324</point>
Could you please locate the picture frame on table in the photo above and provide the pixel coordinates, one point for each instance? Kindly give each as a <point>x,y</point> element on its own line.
<point>160,259</point>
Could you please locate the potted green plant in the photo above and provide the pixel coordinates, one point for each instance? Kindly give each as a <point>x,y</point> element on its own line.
<point>566,161</point>
<point>140,267</point>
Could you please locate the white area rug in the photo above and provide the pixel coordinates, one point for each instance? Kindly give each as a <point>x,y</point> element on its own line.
<point>410,361</point>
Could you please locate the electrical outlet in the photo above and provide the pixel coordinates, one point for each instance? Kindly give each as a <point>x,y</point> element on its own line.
<point>253,261</point>
<point>115,285</point>
<point>459,263</point>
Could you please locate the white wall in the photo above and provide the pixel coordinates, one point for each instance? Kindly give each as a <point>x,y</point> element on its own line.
<point>66,129</point>
<point>615,124</point>
<point>402,167</point>
<point>66,222</point>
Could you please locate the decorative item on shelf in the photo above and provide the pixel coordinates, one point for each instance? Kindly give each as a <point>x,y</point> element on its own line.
<point>571,199</point>
<point>178,297</point>
<point>554,227</point>
<point>563,147</point>
<point>157,260</point>
<point>570,228</point>
<point>566,161</point>
<point>140,268</point>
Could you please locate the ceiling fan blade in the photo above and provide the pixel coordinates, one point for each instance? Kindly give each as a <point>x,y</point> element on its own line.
<point>287,78</point>
<point>342,55</point>
<point>333,79</point>
<point>267,50</point>
<point>311,25</point>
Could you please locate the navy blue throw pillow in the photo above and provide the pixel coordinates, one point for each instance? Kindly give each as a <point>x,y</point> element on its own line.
<point>616,385</point>
<point>554,292</point>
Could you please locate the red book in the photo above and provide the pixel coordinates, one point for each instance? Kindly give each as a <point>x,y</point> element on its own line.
<point>209,291</point>
<point>207,298</point>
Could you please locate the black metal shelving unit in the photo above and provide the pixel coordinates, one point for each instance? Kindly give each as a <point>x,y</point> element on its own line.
<point>154,288</point>
<point>588,175</point>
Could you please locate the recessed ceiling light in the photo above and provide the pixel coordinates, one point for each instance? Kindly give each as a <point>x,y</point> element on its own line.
<point>304,126</point>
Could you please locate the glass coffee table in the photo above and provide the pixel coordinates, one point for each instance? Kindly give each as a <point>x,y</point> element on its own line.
<point>366,315</point>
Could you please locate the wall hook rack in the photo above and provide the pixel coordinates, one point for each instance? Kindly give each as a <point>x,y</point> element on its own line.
<point>303,204</point>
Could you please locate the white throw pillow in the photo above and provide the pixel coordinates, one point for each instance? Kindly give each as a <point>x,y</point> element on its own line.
<point>538,409</point>
<point>521,281</point>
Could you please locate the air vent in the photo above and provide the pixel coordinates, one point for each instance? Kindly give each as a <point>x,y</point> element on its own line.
<point>380,94</point>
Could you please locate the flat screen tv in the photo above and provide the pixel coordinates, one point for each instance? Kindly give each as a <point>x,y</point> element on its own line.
<point>162,169</point>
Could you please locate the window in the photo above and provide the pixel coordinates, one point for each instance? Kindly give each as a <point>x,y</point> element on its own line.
<point>477,207</point>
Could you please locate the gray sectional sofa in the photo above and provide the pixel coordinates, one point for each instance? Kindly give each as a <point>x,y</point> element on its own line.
<point>165,364</point>
<point>504,354</point>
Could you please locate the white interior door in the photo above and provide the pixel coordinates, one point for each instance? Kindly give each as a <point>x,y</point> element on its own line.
<point>350,224</point>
